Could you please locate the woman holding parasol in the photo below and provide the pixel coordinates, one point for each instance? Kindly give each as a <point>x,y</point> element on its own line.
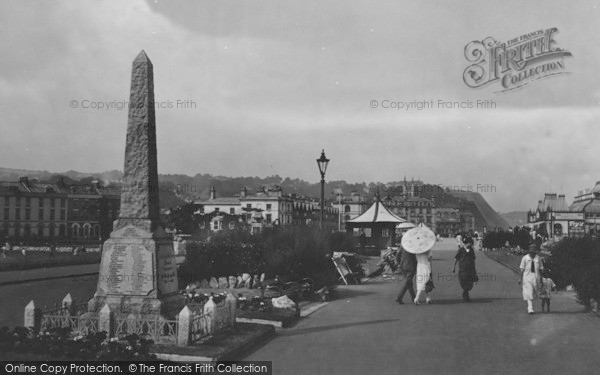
<point>419,241</point>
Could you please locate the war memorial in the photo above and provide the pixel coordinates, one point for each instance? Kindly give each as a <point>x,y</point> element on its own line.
<point>137,290</point>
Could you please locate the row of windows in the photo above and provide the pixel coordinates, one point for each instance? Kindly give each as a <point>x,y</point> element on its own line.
<point>413,212</point>
<point>218,224</point>
<point>409,204</point>
<point>52,202</point>
<point>231,210</point>
<point>26,201</point>
<point>20,213</point>
<point>269,206</point>
<point>25,213</point>
<point>285,219</point>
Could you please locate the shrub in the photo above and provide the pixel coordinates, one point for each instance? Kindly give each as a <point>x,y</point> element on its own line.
<point>522,238</point>
<point>291,253</point>
<point>576,261</point>
<point>342,241</point>
<point>497,240</point>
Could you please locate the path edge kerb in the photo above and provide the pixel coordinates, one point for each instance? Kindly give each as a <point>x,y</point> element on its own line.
<point>510,267</point>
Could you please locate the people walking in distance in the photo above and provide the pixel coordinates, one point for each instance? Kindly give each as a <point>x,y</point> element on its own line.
<point>423,276</point>
<point>478,242</point>
<point>467,275</point>
<point>546,287</point>
<point>407,268</point>
<point>531,268</point>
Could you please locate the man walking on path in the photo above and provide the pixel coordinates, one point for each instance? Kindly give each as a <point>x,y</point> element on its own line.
<point>531,268</point>
<point>408,268</point>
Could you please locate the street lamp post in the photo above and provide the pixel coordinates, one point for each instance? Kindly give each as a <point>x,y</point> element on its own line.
<point>340,212</point>
<point>322,163</point>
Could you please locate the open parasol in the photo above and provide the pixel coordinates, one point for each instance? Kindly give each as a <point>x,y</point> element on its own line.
<point>418,240</point>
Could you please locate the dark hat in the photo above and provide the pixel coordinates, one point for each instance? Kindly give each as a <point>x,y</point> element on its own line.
<point>533,247</point>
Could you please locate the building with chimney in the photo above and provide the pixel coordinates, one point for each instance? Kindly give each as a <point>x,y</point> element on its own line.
<point>267,208</point>
<point>35,212</point>
<point>446,221</point>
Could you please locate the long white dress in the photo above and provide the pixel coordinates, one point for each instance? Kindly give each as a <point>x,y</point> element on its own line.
<point>531,280</point>
<point>423,270</point>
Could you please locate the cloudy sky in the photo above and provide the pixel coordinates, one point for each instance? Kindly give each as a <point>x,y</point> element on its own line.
<point>271,83</point>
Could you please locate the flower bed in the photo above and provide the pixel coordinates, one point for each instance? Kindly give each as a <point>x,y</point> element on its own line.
<point>263,309</point>
<point>57,344</point>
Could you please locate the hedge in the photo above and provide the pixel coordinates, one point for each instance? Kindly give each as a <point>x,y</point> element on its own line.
<point>496,240</point>
<point>576,261</point>
<point>291,254</point>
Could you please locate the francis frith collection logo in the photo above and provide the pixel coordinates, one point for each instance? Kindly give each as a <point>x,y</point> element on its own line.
<point>515,63</point>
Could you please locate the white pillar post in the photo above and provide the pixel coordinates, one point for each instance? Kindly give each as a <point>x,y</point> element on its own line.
<point>184,326</point>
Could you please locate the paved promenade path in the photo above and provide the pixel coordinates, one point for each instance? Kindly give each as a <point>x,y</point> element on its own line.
<point>365,332</point>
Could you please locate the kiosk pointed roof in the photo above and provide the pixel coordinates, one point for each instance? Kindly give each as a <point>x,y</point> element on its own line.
<point>377,213</point>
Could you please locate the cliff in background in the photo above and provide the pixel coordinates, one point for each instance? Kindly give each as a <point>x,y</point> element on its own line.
<point>484,213</point>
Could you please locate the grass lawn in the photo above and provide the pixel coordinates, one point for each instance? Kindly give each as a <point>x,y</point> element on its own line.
<point>39,259</point>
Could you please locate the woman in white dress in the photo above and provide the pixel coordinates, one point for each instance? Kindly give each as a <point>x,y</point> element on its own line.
<point>423,274</point>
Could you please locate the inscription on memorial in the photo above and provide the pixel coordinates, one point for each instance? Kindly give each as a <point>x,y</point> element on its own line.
<point>129,270</point>
<point>167,270</point>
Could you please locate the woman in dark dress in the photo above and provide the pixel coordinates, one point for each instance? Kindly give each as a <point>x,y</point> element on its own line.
<point>467,274</point>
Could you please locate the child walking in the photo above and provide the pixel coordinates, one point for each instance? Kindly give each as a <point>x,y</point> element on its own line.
<point>546,286</point>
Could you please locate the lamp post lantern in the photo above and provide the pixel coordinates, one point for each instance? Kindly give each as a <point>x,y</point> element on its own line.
<point>322,163</point>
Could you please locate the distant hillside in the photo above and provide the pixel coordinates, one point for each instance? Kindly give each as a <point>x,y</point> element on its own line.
<point>198,186</point>
<point>515,218</point>
<point>485,214</point>
<point>181,188</point>
<point>10,174</point>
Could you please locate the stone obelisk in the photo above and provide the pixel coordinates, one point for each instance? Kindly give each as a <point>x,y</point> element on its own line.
<point>138,273</point>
